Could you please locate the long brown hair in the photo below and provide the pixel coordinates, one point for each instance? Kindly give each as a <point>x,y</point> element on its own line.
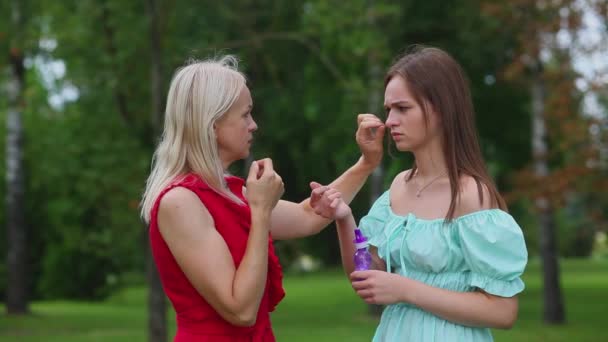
<point>437,80</point>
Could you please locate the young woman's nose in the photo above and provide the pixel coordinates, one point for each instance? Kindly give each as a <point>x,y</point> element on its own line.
<point>391,120</point>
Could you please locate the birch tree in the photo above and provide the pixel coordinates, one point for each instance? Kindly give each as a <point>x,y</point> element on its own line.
<point>17,287</point>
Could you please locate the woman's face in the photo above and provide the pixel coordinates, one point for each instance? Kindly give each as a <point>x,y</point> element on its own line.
<point>405,117</point>
<point>234,130</point>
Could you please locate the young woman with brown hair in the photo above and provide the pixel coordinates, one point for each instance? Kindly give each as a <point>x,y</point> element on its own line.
<point>447,257</point>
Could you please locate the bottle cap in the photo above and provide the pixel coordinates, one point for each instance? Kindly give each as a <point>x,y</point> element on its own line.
<point>360,240</point>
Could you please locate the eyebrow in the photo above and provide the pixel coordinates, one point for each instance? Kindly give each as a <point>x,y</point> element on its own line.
<point>398,102</point>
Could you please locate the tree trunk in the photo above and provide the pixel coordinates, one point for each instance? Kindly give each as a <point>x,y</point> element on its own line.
<point>156,69</point>
<point>553,301</point>
<point>17,280</point>
<point>157,303</point>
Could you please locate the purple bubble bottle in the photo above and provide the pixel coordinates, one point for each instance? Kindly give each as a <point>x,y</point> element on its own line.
<point>362,257</point>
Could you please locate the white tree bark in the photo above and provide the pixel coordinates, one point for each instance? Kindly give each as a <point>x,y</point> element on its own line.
<point>17,281</point>
<point>552,295</point>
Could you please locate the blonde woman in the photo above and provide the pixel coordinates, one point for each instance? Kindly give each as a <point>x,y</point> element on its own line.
<point>211,233</point>
<point>447,257</point>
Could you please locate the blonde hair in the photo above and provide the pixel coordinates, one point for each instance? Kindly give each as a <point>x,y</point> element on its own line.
<point>200,93</point>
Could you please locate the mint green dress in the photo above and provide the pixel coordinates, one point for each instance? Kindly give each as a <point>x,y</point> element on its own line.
<point>484,250</point>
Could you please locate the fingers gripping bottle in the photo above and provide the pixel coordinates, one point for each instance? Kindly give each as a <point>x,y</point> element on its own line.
<point>362,257</point>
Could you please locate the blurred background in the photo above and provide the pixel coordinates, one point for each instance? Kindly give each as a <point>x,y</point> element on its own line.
<point>83,85</point>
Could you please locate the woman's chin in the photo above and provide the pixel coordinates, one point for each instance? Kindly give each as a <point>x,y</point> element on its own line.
<point>403,147</point>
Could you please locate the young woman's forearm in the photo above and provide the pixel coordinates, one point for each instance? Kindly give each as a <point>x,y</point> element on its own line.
<point>346,235</point>
<point>467,308</point>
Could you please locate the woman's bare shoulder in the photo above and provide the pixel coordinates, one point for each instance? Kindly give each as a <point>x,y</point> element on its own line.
<point>400,178</point>
<point>469,199</point>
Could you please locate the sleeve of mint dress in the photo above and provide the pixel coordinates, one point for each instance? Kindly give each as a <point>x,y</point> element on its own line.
<point>494,250</point>
<point>373,224</point>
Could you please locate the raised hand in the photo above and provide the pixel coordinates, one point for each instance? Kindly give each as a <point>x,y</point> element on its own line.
<point>264,186</point>
<point>370,133</point>
<point>327,202</point>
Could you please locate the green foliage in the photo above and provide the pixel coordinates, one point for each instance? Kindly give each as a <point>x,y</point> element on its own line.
<point>2,191</point>
<point>312,67</point>
<point>576,231</point>
<point>85,186</point>
<point>4,46</point>
<point>600,246</point>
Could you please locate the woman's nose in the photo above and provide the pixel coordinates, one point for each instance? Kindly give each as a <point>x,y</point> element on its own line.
<point>390,120</point>
<point>253,126</point>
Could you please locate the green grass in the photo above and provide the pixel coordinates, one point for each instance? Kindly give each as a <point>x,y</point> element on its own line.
<point>320,307</point>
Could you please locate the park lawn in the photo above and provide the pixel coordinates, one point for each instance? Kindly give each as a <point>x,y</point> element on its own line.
<point>319,307</point>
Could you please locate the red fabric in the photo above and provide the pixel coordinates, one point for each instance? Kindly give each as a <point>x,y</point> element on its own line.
<point>196,319</point>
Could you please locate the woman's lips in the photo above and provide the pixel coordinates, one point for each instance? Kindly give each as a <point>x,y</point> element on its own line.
<point>396,135</point>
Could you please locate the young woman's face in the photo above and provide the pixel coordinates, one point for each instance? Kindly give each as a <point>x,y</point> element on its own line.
<point>405,118</point>
<point>234,130</point>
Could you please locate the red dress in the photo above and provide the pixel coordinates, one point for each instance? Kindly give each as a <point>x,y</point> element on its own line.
<point>196,319</point>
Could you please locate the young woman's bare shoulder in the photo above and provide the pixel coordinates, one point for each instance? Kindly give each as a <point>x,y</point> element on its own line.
<point>469,200</point>
<point>400,178</point>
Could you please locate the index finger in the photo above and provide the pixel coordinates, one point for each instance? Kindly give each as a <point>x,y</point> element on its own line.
<point>253,170</point>
<point>267,167</point>
<point>359,284</point>
<point>362,117</point>
<point>371,124</point>
<point>318,192</point>
<point>359,275</point>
